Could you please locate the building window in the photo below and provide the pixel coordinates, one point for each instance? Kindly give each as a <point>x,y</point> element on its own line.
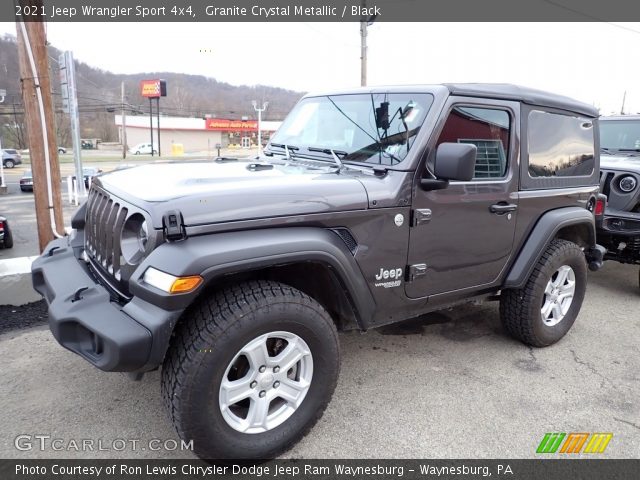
<point>486,128</point>
<point>560,145</point>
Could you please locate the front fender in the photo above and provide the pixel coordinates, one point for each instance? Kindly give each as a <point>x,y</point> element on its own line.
<point>216,255</point>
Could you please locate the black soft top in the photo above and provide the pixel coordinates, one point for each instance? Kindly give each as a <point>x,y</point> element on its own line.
<point>526,95</point>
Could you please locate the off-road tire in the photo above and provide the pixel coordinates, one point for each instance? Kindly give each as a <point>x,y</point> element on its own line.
<point>205,342</point>
<point>520,308</point>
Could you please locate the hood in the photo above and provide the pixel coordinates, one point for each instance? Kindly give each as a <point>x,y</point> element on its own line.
<point>623,162</point>
<point>212,192</point>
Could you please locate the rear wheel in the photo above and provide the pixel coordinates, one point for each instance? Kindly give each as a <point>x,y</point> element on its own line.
<point>544,310</point>
<point>250,371</point>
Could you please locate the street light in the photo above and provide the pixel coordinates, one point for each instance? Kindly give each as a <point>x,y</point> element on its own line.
<point>259,110</point>
<point>3,187</point>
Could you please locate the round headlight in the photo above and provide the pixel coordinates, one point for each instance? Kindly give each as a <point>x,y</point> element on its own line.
<point>134,239</point>
<point>628,184</point>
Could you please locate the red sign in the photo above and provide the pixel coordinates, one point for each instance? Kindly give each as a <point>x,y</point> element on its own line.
<point>153,88</point>
<point>225,125</point>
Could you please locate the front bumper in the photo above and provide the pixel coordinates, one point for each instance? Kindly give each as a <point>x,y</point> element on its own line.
<point>620,223</point>
<point>84,318</point>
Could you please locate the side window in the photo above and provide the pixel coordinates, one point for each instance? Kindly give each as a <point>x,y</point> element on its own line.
<point>560,145</point>
<point>488,129</point>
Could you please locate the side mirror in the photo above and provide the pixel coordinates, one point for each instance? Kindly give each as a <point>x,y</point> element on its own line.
<point>454,161</point>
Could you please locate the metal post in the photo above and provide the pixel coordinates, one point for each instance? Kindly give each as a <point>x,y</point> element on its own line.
<point>158,126</point>
<point>123,137</point>
<point>75,120</point>
<point>2,185</point>
<point>3,93</point>
<point>151,122</point>
<point>260,110</point>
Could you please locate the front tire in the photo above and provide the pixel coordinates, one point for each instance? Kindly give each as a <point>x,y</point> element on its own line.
<point>544,310</point>
<point>250,370</point>
<point>9,164</point>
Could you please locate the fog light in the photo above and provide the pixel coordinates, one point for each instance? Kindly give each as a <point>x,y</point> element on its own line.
<point>170,283</point>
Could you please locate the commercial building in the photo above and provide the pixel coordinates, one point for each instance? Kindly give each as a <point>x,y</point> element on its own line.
<point>194,134</point>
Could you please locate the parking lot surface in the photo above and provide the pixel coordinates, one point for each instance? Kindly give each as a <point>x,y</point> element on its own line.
<point>448,385</point>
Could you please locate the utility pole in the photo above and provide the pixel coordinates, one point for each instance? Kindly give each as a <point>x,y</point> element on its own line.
<point>363,53</point>
<point>123,137</point>
<point>259,110</point>
<point>364,24</point>
<point>624,98</point>
<point>38,105</point>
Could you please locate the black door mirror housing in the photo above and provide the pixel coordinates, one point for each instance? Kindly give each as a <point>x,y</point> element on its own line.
<point>454,161</point>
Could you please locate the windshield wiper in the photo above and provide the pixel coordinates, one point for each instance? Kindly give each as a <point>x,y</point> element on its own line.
<point>333,153</point>
<point>287,149</point>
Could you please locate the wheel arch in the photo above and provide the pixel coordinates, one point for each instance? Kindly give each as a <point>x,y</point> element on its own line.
<point>574,224</point>
<point>313,260</point>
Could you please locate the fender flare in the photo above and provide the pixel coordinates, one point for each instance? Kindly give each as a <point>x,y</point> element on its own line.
<point>541,236</point>
<point>216,255</point>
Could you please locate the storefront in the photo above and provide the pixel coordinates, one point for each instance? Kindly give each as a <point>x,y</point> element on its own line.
<point>195,134</point>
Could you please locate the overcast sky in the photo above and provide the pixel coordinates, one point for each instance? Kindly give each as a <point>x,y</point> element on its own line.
<point>593,62</point>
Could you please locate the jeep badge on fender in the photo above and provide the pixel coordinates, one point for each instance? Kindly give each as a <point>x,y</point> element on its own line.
<point>234,276</point>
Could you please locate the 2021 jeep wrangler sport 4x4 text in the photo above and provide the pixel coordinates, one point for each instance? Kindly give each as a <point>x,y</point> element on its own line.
<point>368,207</point>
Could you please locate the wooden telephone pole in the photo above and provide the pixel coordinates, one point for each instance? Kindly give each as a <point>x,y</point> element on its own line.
<point>32,52</point>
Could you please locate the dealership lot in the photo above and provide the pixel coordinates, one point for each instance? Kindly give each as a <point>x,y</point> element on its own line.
<point>448,385</point>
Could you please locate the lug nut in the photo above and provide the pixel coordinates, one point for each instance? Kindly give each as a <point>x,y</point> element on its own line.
<point>276,369</point>
<point>276,384</point>
<point>253,384</point>
<point>262,393</point>
<point>262,369</point>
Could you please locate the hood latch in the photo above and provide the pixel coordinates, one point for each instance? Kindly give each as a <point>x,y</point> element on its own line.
<point>173,226</point>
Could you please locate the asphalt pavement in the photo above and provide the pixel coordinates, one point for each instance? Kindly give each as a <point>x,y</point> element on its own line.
<point>448,385</point>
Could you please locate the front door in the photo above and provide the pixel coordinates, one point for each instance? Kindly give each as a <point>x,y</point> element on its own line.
<point>461,237</point>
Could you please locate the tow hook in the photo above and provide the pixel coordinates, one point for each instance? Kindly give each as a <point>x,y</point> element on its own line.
<point>595,257</point>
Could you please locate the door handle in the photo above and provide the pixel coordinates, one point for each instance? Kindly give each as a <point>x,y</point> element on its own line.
<point>503,207</point>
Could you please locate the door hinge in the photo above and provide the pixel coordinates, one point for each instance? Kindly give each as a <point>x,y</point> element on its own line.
<point>421,216</point>
<point>415,271</point>
<point>173,226</point>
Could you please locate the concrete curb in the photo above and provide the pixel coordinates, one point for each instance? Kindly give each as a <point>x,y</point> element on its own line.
<point>15,281</point>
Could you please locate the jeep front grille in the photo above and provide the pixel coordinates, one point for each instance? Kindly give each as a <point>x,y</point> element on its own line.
<point>104,222</point>
<point>605,182</point>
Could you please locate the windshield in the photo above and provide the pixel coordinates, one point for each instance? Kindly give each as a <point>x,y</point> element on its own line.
<point>375,128</point>
<point>620,134</point>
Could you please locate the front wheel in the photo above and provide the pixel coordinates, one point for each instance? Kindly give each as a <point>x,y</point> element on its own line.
<point>250,371</point>
<point>9,164</point>
<point>544,310</point>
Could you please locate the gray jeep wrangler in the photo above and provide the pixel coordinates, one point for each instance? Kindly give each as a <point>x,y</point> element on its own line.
<point>619,228</point>
<point>368,207</point>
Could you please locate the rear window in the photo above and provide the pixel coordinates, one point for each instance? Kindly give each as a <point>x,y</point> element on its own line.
<point>560,145</point>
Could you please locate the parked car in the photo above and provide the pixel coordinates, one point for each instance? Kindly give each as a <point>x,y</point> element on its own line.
<point>11,157</point>
<point>26,182</point>
<point>619,230</point>
<point>143,149</point>
<point>6,238</point>
<point>369,207</point>
<point>89,173</point>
